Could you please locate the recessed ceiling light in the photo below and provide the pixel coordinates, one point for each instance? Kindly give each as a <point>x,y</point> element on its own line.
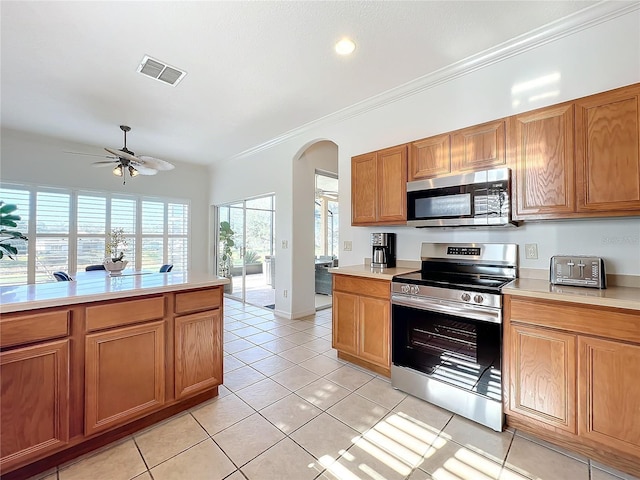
<point>345,47</point>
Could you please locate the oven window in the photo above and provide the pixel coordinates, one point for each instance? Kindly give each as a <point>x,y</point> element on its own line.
<point>456,350</point>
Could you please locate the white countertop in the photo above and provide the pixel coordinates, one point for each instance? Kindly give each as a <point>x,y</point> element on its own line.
<point>365,270</point>
<point>97,286</point>
<point>617,297</point>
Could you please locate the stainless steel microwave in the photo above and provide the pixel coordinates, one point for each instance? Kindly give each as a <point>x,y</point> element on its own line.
<point>473,199</point>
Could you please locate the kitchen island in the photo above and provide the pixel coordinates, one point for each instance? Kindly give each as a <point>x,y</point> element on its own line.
<point>86,362</point>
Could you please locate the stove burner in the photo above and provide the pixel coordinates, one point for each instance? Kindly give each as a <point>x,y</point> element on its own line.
<point>477,283</point>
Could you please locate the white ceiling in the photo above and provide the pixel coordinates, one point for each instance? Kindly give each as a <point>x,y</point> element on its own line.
<point>255,70</point>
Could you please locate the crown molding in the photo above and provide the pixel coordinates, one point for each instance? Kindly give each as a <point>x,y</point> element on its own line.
<point>582,20</point>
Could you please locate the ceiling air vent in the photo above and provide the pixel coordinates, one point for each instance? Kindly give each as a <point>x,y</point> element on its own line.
<point>160,71</point>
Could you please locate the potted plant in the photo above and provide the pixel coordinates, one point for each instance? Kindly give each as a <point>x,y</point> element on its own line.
<point>7,219</point>
<point>225,254</point>
<point>113,261</point>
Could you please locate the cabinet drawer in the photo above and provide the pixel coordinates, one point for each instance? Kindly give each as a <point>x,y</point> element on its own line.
<point>362,286</point>
<point>199,300</point>
<point>124,313</point>
<point>22,329</point>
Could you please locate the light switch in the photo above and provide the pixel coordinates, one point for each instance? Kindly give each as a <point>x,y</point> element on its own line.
<point>347,246</point>
<point>285,244</point>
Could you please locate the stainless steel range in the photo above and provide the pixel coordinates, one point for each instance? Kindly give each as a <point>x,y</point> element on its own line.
<point>446,327</point>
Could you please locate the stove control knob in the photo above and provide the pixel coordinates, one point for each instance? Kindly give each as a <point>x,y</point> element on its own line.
<point>415,289</point>
<point>404,288</point>
<point>466,297</point>
<point>478,299</point>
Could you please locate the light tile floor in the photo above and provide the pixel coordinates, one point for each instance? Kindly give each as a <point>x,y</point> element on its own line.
<point>289,409</point>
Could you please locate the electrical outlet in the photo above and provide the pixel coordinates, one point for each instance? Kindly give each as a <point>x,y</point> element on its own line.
<point>285,244</point>
<point>347,246</point>
<point>285,293</point>
<point>531,251</point>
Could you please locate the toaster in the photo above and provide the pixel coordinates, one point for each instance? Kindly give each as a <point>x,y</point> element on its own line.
<point>577,271</point>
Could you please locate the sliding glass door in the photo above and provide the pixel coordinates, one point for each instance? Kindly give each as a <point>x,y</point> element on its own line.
<point>246,244</point>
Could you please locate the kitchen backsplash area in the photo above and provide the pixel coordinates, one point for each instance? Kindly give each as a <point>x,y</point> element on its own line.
<point>617,240</point>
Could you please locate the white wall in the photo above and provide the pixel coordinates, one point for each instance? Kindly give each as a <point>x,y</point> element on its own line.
<point>40,160</point>
<point>599,58</point>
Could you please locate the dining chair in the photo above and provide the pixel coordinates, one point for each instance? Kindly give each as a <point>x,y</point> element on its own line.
<point>90,268</point>
<point>166,268</point>
<point>62,276</point>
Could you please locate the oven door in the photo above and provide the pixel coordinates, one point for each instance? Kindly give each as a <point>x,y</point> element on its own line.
<point>448,344</point>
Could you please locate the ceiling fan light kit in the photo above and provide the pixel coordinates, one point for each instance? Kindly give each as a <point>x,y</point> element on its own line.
<point>124,159</point>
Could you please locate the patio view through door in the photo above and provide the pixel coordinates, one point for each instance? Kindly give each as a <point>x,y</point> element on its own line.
<point>246,246</point>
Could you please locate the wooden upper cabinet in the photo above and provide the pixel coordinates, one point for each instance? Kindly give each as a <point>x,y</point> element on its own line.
<point>430,157</point>
<point>542,375</point>
<point>608,151</point>
<point>34,401</point>
<point>542,143</point>
<point>379,187</point>
<point>609,390</point>
<point>479,147</point>
<point>364,179</point>
<point>392,185</point>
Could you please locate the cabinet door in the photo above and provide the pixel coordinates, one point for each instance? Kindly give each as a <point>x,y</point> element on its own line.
<point>542,376</point>
<point>392,185</point>
<point>608,151</point>
<point>124,375</point>
<point>363,189</point>
<point>430,157</point>
<point>542,142</point>
<point>373,331</point>
<point>198,352</point>
<point>609,393</point>
<point>345,322</point>
<point>478,147</point>
<point>34,406</point>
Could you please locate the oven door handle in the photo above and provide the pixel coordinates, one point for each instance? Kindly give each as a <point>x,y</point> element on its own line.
<point>475,312</point>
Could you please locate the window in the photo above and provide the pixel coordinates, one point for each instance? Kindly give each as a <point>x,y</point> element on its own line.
<point>326,215</point>
<point>67,231</point>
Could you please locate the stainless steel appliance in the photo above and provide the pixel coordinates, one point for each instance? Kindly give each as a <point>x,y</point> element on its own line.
<point>383,247</point>
<point>446,328</point>
<point>471,199</point>
<point>578,271</point>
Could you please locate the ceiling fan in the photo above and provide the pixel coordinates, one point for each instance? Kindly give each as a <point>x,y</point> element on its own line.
<point>126,160</point>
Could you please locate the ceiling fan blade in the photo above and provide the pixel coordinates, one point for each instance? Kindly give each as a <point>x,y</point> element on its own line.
<point>143,170</point>
<point>90,154</point>
<point>156,163</point>
<point>106,163</point>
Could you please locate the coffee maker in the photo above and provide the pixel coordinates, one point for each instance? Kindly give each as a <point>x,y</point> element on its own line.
<point>383,253</point>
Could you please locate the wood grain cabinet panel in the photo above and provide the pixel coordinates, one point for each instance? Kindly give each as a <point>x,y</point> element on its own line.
<point>345,322</point>
<point>479,147</point>
<point>430,157</point>
<point>198,352</point>
<point>34,402</point>
<point>207,299</point>
<point>124,375</point>
<point>379,187</point>
<point>542,143</point>
<point>21,329</point>
<point>543,375</point>
<point>392,185</point>
<point>373,325</point>
<point>609,411</point>
<point>364,180</point>
<point>362,321</point>
<point>124,313</point>
<point>608,151</point>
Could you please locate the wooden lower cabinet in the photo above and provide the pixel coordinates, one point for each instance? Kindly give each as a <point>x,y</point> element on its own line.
<point>124,375</point>
<point>543,375</point>
<point>572,377</point>
<point>610,415</point>
<point>362,322</point>
<point>34,401</point>
<point>198,352</point>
